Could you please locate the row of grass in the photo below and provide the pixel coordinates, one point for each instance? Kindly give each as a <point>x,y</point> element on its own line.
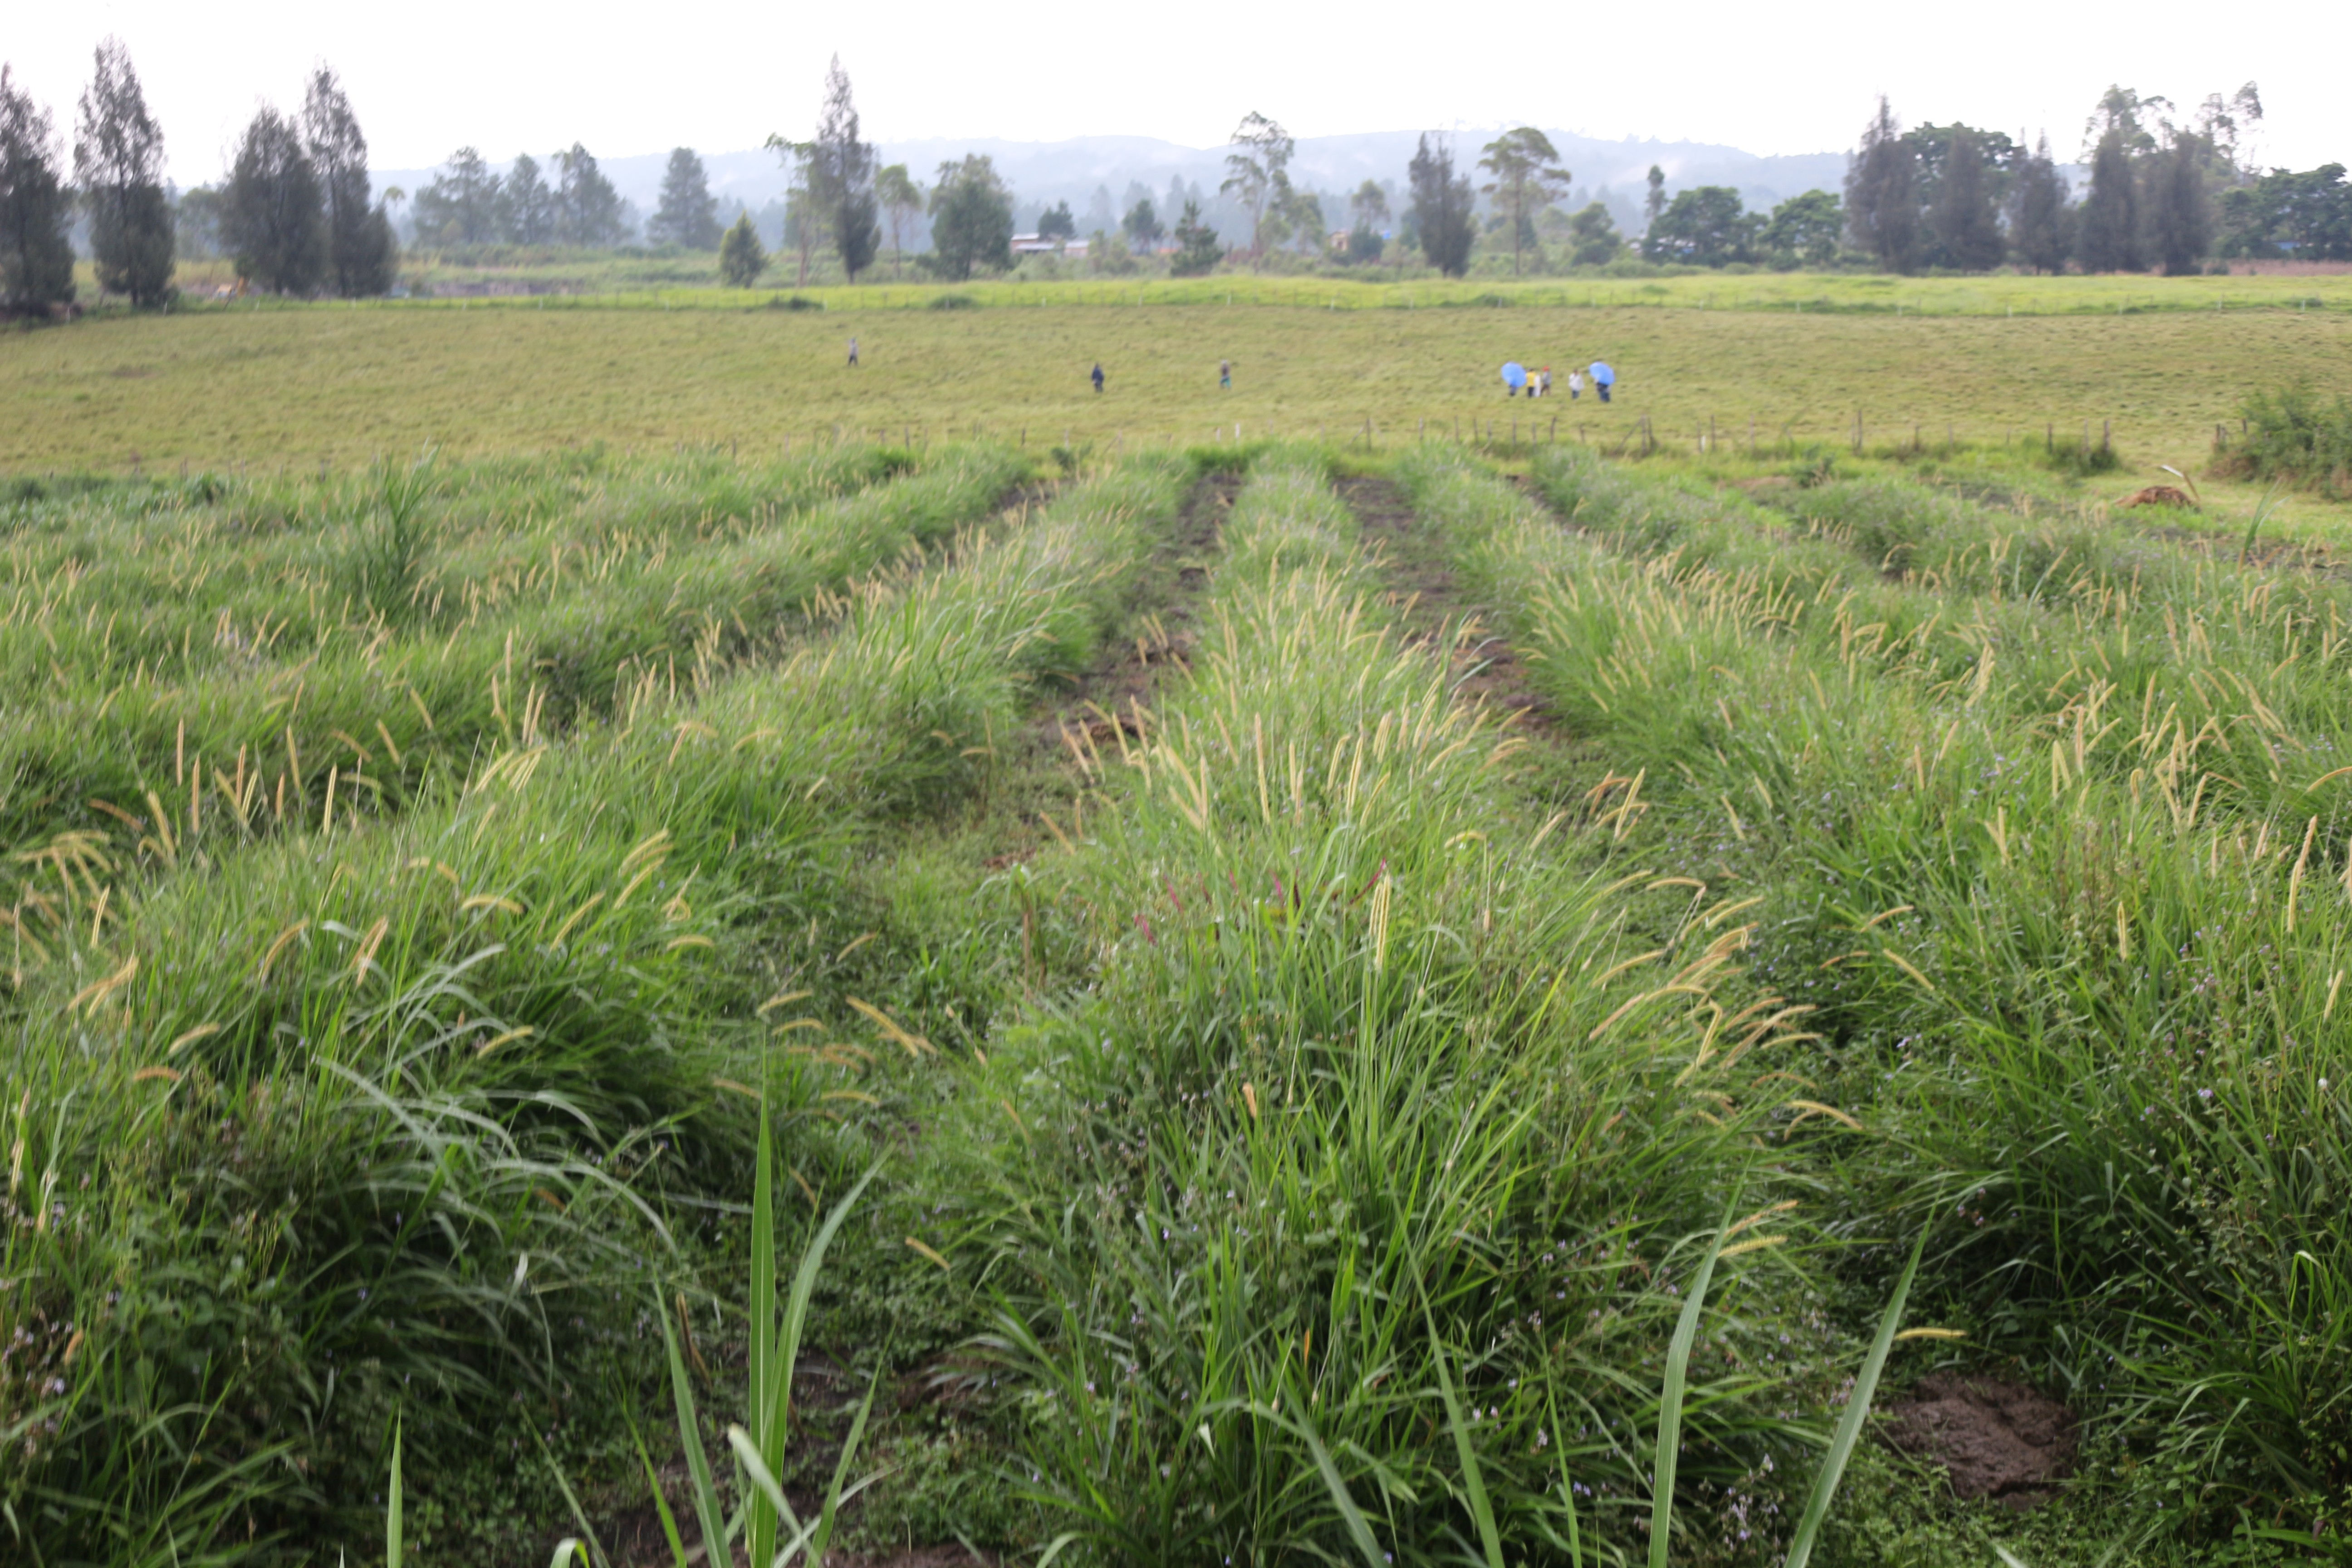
<point>404,1119</point>
<point>157,762</point>
<point>2041,826</point>
<point>1367,1100</point>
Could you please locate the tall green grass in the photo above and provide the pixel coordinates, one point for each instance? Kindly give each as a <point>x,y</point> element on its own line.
<point>2056,855</point>
<point>404,1118</point>
<point>1377,1118</point>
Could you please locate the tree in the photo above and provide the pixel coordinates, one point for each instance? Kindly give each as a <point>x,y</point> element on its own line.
<point>1442,207</point>
<point>271,218</point>
<point>1367,219</point>
<point>1258,175</point>
<point>1302,211</point>
<point>1966,221</point>
<point>2041,221</point>
<point>1198,249</point>
<point>2305,213</point>
<point>1527,179</point>
<point>1804,231</point>
<point>463,205</point>
<point>1704,226</point>
<point>361,253</point>
<point>529,206</point>
<point>196,222</point>
<point>1882,197</point>
<point>36,259</point>
<point>1594,238</point>
<point>742,259</point>
<point>841,177</point>
<point>1057,222</point>
<point>971,218</point>
<point>1142,226</point>
<point>1654,203</point>
<point>119,164</point>
<point>902,199</point>
<point>688,213</point>
<point>2107,237</point>
<point>2180,218</point>
<point>587,208</point>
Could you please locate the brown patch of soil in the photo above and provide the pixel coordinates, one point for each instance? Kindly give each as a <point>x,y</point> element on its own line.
<point>2158,495</point>
<point>1422,587</point>
<point>1996,1439</point>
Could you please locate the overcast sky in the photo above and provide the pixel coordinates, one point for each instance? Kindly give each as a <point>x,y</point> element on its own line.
<point>629,80</point>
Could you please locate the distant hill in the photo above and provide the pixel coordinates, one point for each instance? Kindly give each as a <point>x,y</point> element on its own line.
<point>1095,174</point>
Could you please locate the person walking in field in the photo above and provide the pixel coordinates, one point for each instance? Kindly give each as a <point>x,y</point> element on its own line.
<point>1098,379</point>
<point>1603,378</point>
<point>853,353</point>
<point>1543,381</point>
<point>1226,374</point>
<point>1575,384</point>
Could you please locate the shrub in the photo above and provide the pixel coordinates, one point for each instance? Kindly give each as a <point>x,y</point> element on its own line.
<point>2291,435</point>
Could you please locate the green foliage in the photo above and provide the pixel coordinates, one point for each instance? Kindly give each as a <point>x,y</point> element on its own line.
<point>1704,226</point>
<point>119,166</point>
<point>972,219</point>
<point>741,258</point>
<point>272,221</point>
<point>36,261</point>
<point>1198,249</point>
<point>687,214</point>
<point>2293,434</point>
<point>1443,208</point>
<point>360,253</point>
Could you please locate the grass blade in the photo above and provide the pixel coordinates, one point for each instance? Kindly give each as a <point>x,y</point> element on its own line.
<point>1670,1403</point>
<point>393,1526</point>
<point>1857,1408</point>
<point>689,1437</point>
<point>1473,1481</point>
<point>661,1503</point>
<point>833,1496</point>
<point>1567,1487</point>
<point>767,1404</point>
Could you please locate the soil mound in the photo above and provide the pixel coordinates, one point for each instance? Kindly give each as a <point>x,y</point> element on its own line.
<point>2158,495</point>
<point>2000,1440</point>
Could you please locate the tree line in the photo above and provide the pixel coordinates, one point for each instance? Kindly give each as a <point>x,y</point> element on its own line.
<point>296,209</point>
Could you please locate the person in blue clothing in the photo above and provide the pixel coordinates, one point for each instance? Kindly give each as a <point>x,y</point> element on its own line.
<point>1603,378</point>
<point>1099,378</point>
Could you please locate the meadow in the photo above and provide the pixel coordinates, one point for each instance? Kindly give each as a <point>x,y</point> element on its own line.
<point>1305,999</point>
<point>301,386</point>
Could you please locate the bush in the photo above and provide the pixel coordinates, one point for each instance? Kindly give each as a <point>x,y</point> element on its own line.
<point>954,302</point>
<point>2292,436</point>
<point>794,302</point>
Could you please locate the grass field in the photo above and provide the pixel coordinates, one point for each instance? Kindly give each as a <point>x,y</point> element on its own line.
<point>304,386</point>
<point>1394,1002</point>
<point>1303,941</point>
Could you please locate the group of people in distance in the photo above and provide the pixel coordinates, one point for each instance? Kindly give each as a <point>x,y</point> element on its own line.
<point>1517,378</point>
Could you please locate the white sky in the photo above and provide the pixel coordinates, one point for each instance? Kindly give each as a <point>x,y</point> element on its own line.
<point>629,80</point>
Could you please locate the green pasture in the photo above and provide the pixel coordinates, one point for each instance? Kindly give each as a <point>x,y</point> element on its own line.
<point>298,386</point>
<point>1411,1003</point>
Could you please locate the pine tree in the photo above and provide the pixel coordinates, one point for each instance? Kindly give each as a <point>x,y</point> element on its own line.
<point>688,213</point>
<point>2108,226</point>
<point>1966,223</point>
<point>271,218</point>
<point>587,208</point>
<point>1443,208</point>
<point>527,207</point>
<point>742,259</point>
<point>465,206</point>
<point>1881,199</point>
<point>2041,223</point>
<point>361,253</point>
<point>1198,249</point>
<point>119,164</point>
<point>2180,218</point>
<point>36,259</point>
<point>842,178</point>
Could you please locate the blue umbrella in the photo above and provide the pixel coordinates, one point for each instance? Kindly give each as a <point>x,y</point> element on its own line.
<point>1602,375</point>
<point>1515,376</point>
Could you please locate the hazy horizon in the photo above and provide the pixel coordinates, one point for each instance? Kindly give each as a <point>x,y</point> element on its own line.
<point>926,71</point>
